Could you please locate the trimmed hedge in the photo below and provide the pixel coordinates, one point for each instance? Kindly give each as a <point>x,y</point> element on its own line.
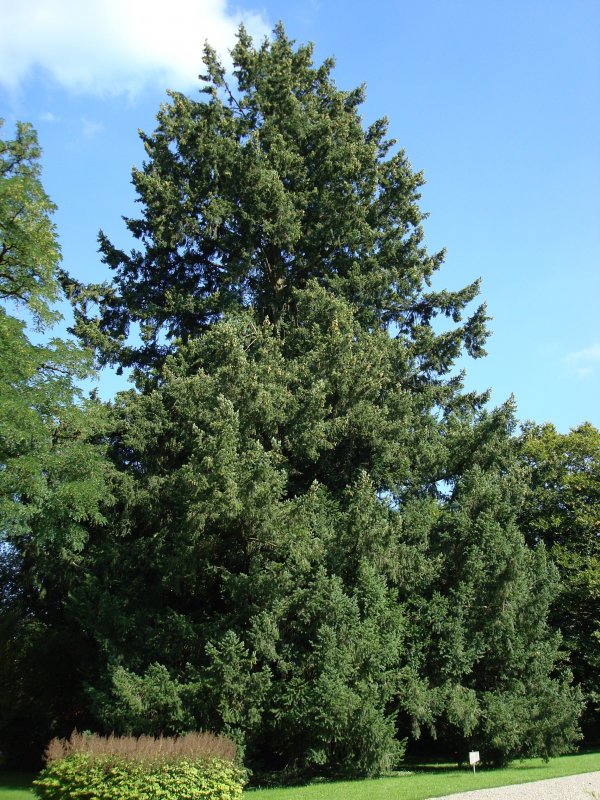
<point>83,776</point>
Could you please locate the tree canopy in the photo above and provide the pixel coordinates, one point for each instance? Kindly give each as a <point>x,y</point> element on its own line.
<point>29,252</point>
<point>51,472</point>
<point>562,511</point>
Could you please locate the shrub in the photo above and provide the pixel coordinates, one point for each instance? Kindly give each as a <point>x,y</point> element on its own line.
<point>192,746</point>
<point>121,768</point>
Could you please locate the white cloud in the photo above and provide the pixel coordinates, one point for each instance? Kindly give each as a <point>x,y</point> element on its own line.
<point>48,116</point>
<point>588,354</point>
<point>90,128</point>
<point>114,46</point>
<point>583,363</point>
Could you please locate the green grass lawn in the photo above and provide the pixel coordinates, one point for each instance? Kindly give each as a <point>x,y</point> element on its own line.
<point>434,781</point>
<point>15,786</point>
<point>425,781</point>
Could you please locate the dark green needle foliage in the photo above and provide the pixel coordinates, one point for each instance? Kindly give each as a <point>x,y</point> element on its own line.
<point>483,640</point>
<point>314,545</point>
<point>259,189</point>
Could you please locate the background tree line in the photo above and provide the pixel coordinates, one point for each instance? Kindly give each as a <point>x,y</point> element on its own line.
<point>298,528</point>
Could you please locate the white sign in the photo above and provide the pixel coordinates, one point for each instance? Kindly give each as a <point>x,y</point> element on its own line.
<point>474,757</point>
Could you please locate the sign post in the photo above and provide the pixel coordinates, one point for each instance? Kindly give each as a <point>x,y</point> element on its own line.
<point>474,759</point>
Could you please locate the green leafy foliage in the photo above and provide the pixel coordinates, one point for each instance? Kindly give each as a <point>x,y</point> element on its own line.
<point>29,252</point>
<point>52,466</point>
<point>562,510</point>
<point>83,776</point>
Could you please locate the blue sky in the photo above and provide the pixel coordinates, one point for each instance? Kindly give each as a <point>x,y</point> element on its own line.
<point>497,101</point>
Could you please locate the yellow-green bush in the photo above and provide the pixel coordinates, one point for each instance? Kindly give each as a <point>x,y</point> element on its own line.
<point>85,777</point>
<point>123,772</point>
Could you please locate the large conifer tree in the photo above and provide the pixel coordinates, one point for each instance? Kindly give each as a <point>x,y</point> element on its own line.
<point>314,547</point>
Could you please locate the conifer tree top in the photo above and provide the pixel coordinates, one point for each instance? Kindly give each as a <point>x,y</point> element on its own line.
<point>268,182</point>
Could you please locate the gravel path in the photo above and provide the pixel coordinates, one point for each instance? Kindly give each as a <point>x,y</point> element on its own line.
<point>574,787</point>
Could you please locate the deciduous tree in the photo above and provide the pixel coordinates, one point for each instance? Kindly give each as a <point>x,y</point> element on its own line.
<point>51,472</point>
<point>562,509</point>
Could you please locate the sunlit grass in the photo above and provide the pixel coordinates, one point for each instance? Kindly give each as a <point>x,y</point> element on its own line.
<point>15,786</point>
<point>435,781</point>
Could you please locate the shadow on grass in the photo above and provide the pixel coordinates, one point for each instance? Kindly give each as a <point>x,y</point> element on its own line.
<point>16,780</point>
<point>408,767</point>
<point>424,766</point>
